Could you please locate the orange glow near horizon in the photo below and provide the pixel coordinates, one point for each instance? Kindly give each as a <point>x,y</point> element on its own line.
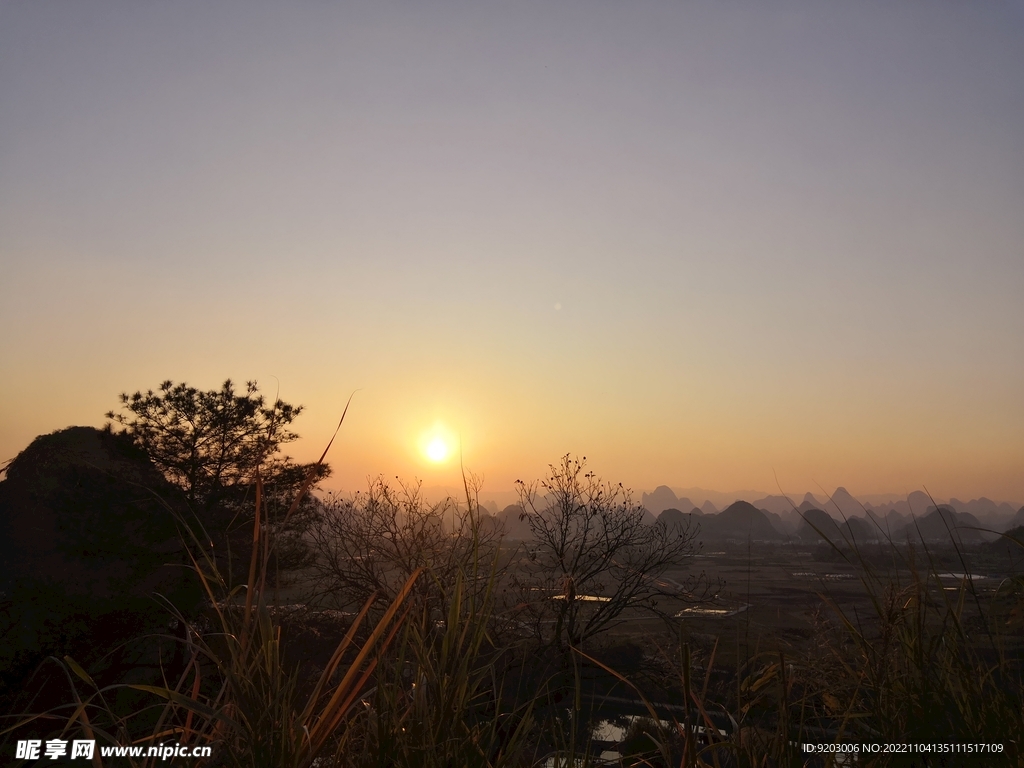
<point>704,248</point>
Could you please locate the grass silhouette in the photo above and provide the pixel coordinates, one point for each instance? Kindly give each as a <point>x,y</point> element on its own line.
<point>930,663</point>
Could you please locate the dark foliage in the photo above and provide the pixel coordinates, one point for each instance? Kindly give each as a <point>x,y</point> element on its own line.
<point>210,445</point>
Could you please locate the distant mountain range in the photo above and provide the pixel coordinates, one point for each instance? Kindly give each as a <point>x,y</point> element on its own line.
<point>890,514</point>
<point>839,516</point>
<point>719,500</point>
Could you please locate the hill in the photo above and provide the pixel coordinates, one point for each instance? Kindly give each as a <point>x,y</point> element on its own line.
<point>739,521</point>
<point>676,518</point>
<point>1016,521</point>
<point>818,525</point>
<point>662,498</point>
<point>515,528</point>
<point>989,513</point>
<point>88,533</point>
<point>939,524</point>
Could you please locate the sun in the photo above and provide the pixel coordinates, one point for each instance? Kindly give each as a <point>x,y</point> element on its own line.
<point>439,444</point>
<point>437,450</point>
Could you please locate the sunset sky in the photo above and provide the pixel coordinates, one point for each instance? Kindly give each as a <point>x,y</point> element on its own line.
<point>703,244</point>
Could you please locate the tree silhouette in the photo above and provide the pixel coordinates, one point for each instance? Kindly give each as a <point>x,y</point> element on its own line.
<point>593,556</point>
<point>211,443</point>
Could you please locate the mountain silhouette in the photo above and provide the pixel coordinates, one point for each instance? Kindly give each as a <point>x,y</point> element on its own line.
<point>675,518</point>
<point>685,503</point>
<point>515,528</point>
<point>1016,521</point>
<point>740,520</point>
<point>990,514</point>
<point>886,523</point>
<point>943,524</point>
<point>780,505</point>
<point>858,530</point>
<point>843,505</point>
<point>918,503</point>
<point>660,499</point>
<point>818,525</point>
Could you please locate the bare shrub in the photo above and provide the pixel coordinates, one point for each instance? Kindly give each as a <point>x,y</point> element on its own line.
<point>373,542</point>
<point>593,555</point>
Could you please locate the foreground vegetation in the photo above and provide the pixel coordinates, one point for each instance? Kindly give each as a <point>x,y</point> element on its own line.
<point>436,642</point>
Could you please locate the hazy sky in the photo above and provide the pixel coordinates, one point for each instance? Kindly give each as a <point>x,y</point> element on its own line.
<point>702,244</point>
